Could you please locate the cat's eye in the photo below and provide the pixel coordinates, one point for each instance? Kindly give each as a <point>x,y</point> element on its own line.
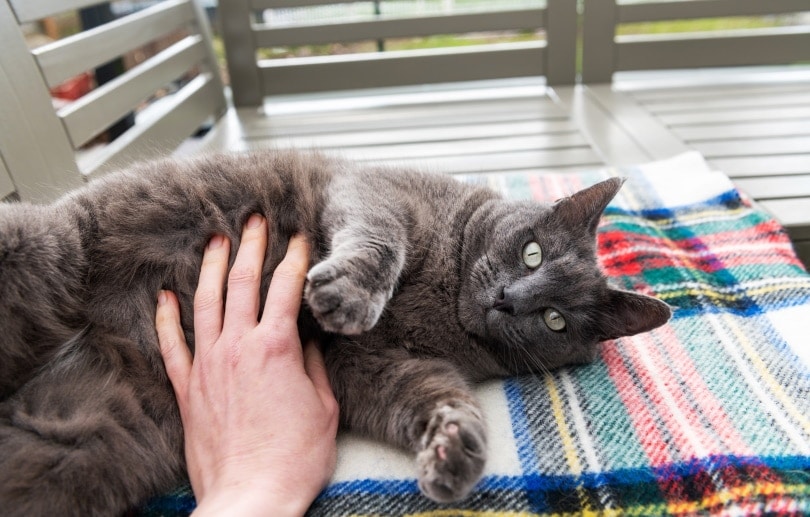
<point>532,255</point>
<point>554,320</point>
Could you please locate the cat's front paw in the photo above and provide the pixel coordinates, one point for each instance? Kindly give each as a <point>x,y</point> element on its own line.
<point>339,303</point>
<point>453,454</point>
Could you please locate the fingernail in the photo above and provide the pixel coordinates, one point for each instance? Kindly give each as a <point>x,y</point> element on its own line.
<point>215,242</point>
<point>163,297</point>
<point>254,221</point>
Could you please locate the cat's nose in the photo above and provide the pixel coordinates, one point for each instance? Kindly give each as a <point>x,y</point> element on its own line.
<point>503,302</point>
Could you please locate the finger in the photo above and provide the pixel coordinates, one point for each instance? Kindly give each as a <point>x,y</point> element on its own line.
<point>244,279</point>
<point>316,371</point>
<point>173,347</point>
<point>208,304</point>
<point>287,284</point>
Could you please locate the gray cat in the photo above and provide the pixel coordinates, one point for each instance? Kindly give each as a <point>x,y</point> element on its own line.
<point>420,286</point>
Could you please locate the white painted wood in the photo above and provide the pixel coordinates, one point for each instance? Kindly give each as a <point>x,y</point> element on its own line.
<point>782,187</point>
<point>700,103</point>
<point>743,130</point>
<point>472,146</point>
<point>739,167</point>
<point>6,185</point>
<point>607,136</point>
<point>598,41</point>
<point>680,10</point>
<point>679,94</point>
<point>32,10</point>
<point>182,114</point>
<point>742,114</point>
<point>97,110</point>
<point>561,37</point>
<point>721,48</point>
<point>519,160</point>
<point>33,145</point>
<point>381,28</point>
<point>759,147</point>
<point>275,4</point>
<point>69,56</point>
<point>792,213</point>
<point>401,68</point>
<point>240,52</point>
<point>442,133</point>
<point>651,135</point>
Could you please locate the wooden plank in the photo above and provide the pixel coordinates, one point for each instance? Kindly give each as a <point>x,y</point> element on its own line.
<point>680,94</point>
<point>6,185</point>
<point>760,147</point>
<point>802,249</point>
<point>742,114</point>
<point>731,102</point>
<point>776,187</point>
<point>561,37</point>
<point>474,146</point>
<point>415,116</point>
<point>780,45</point>
<point>679,10</point>
<point>276,4</point>
<point>794,214</point>
<point>743,130</point>
<point>382,28</point>
<point>34,146</point>
<point>763,165</point>
<point>69,56</point>
<point>584,157</point>
<point>598,41</point>
<point>33,10</point>
<point>441,133</point>
<point>654,138</point>
<point>94,112</point>
<point>614,145</point>
<point>402,68</point>
<point>240,52</point>
<point>180,117</point>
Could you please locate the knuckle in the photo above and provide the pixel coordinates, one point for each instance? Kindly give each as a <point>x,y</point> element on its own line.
<point>243,275</point>
<point>206,298</point>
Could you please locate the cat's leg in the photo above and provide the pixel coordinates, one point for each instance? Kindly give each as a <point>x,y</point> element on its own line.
<point>77,440</point>
<point>420,404</point>
<point>367,250</point>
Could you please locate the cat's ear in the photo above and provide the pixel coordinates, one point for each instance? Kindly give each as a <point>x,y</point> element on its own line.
<point>627,314</point>
<point>586,206</point>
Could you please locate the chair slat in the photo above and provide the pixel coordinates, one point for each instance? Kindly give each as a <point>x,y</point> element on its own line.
<point>727,48</point>
<point>402,68</point>
<point>100,108</point>
<point>67,57</point>
<point>680,10</point>
<point>399,28</point>
<point>32,10</point>
<point>186,111</point>
<point>6,185</point>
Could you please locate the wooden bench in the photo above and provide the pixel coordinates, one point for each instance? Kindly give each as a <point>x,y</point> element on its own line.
<point>498,107</point>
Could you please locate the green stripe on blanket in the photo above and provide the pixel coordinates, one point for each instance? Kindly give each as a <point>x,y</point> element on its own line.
<point>709,414</point>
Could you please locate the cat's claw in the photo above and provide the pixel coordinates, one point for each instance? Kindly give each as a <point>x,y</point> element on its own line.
<point>453,454</point>
<point>338,303</point>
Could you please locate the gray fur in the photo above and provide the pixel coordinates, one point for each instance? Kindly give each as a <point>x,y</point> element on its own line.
<point>418,279</point>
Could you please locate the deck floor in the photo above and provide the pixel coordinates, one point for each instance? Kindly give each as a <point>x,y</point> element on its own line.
<point>755,126</point>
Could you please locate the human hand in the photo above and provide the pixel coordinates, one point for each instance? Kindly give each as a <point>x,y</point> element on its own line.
<point>258,412</point>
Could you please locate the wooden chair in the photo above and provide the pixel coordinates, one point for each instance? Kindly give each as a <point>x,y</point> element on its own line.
<point>38,145</point>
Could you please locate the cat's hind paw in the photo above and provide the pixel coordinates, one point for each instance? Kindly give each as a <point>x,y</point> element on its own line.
<point>453,455</point>
<point>337,301</point>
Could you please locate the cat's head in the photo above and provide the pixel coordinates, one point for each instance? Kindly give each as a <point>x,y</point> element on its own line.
<point>532,288</point>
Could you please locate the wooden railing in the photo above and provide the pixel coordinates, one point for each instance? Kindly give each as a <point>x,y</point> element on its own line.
<point>251,80</point>
<point>604,52</point>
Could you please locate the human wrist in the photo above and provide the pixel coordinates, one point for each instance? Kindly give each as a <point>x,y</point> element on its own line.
<point>251,501</point>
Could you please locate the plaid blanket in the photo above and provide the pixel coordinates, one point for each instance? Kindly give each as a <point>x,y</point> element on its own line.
<point>709,414</point>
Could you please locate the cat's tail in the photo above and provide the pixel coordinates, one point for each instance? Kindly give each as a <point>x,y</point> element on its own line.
<point>41,290</point>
